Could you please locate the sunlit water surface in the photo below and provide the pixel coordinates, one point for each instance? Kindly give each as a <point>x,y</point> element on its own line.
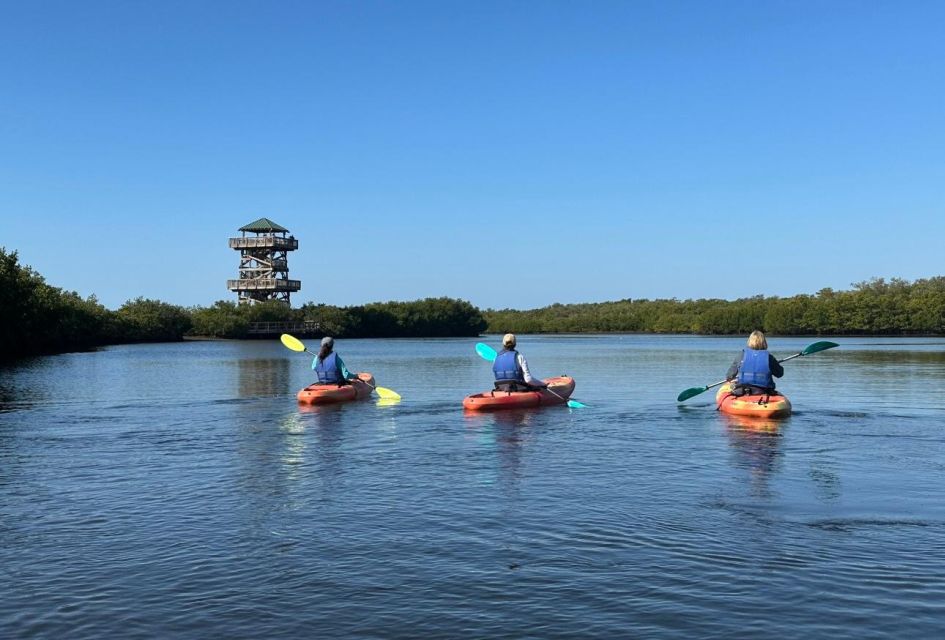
<point>176,490</point>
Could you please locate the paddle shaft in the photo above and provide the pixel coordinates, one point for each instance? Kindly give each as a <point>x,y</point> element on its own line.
<point>548,389</point>
<point>574,404</point>
<point>715,384</point>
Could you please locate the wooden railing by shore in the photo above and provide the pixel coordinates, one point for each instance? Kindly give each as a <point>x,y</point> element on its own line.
<point>274,328</point>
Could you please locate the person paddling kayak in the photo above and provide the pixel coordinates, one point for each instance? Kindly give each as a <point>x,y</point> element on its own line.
<point>755,369</point>
<point>329,366</point>
<point>511,369</point>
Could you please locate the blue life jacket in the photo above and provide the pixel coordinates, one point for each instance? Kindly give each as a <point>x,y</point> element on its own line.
<point>505,367</point>
<point>327,370</point>
<point>755,369</point>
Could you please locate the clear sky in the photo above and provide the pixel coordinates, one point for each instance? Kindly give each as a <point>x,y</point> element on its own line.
<point>514,154</point>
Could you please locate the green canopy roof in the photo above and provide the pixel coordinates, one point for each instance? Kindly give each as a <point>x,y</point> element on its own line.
<point>262,225</point>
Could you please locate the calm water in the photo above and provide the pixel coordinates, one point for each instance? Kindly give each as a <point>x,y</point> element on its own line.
<point>178,491</point>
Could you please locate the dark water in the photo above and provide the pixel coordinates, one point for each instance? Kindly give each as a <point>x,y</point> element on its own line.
<point>178,491</point>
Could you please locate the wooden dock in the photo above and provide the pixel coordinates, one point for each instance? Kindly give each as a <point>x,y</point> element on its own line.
<point>264,329</point>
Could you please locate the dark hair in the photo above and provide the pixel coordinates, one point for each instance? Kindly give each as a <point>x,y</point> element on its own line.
<point>324,351</point>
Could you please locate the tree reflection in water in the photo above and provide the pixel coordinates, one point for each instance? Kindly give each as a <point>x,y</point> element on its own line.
<point>263,376</point>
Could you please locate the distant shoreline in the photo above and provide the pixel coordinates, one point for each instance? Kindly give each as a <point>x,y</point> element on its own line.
<point>874,308</point>
<point>42,319</point>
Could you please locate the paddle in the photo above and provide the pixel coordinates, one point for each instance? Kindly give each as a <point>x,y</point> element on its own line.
<point>809,349</point>
<point>295,344</point>
<point>488,353</point>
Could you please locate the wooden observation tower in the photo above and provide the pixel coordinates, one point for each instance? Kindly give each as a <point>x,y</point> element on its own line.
<point>264,263</point>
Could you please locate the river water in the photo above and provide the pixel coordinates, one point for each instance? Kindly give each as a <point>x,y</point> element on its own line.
<point>176,490</point>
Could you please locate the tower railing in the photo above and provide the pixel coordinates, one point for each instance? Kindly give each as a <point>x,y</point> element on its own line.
<point>265,242</point>
<point>264,284</point>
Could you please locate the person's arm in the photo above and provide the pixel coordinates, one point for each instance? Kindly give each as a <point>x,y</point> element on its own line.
<point>529,378</point>
<point>343,370</point>
<point>733,370</point>
<point>776,369</point>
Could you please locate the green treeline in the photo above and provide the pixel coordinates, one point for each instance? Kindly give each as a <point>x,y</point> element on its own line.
<point>36,317</point>
<point>876,307</point>
<point>427,318</point>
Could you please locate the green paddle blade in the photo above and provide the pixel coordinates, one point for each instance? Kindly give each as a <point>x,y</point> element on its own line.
<point>485,351</point>
<point>690,393</point>
<point>818,346</point>
<point>292,342</point>
<point>574,404</point>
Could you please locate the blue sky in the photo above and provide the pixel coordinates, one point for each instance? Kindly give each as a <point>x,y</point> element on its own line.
<point>514,154</point>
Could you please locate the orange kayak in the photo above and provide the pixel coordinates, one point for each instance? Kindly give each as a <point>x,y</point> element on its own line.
<point>331,393</point>
<point>760,406</point>
<point>496,400</point>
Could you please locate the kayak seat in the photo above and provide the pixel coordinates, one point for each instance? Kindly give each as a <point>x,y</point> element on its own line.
<point>740,390</point>
<point>512,386</point>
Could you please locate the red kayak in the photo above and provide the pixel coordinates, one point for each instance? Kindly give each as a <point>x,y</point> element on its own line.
<point>760,406</point>
<point>330,393</point>
<point>563,386</point>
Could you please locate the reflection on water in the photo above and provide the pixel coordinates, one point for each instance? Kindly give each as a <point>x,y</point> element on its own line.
<point>890,365</point>
<point>6,398</point>
<point>24,383</point>
<point>263,377</point>
<point>893,356</point>
<point>329,427</point>
<point>506,433</point>
<point>294,431</point>
<point>756,447</point>
<point>511,430</point>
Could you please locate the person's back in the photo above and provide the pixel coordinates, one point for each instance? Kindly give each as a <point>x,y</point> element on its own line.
<point>511,369</point>
<point>326,368</point>
<point>328,365</point>
<point>508,373</point>
<point>755,369</point>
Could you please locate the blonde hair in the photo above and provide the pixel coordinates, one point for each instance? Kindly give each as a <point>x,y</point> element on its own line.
<point>508,340</point>
<point>757,341</point>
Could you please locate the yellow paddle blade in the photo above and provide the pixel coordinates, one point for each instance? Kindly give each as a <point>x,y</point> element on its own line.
<point>292,342</point>
<point>387,394</point>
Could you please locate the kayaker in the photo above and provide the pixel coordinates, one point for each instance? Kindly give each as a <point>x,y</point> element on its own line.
<point>329,366</point>
<point>511,369</point>
<point>752,371</point>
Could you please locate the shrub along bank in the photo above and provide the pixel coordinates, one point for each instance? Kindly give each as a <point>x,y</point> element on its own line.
<point>36,317</point>
<point>430,317</point>
<point>876,307</point>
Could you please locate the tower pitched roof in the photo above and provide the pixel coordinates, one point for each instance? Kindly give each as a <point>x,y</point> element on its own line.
<point>262,225</point>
